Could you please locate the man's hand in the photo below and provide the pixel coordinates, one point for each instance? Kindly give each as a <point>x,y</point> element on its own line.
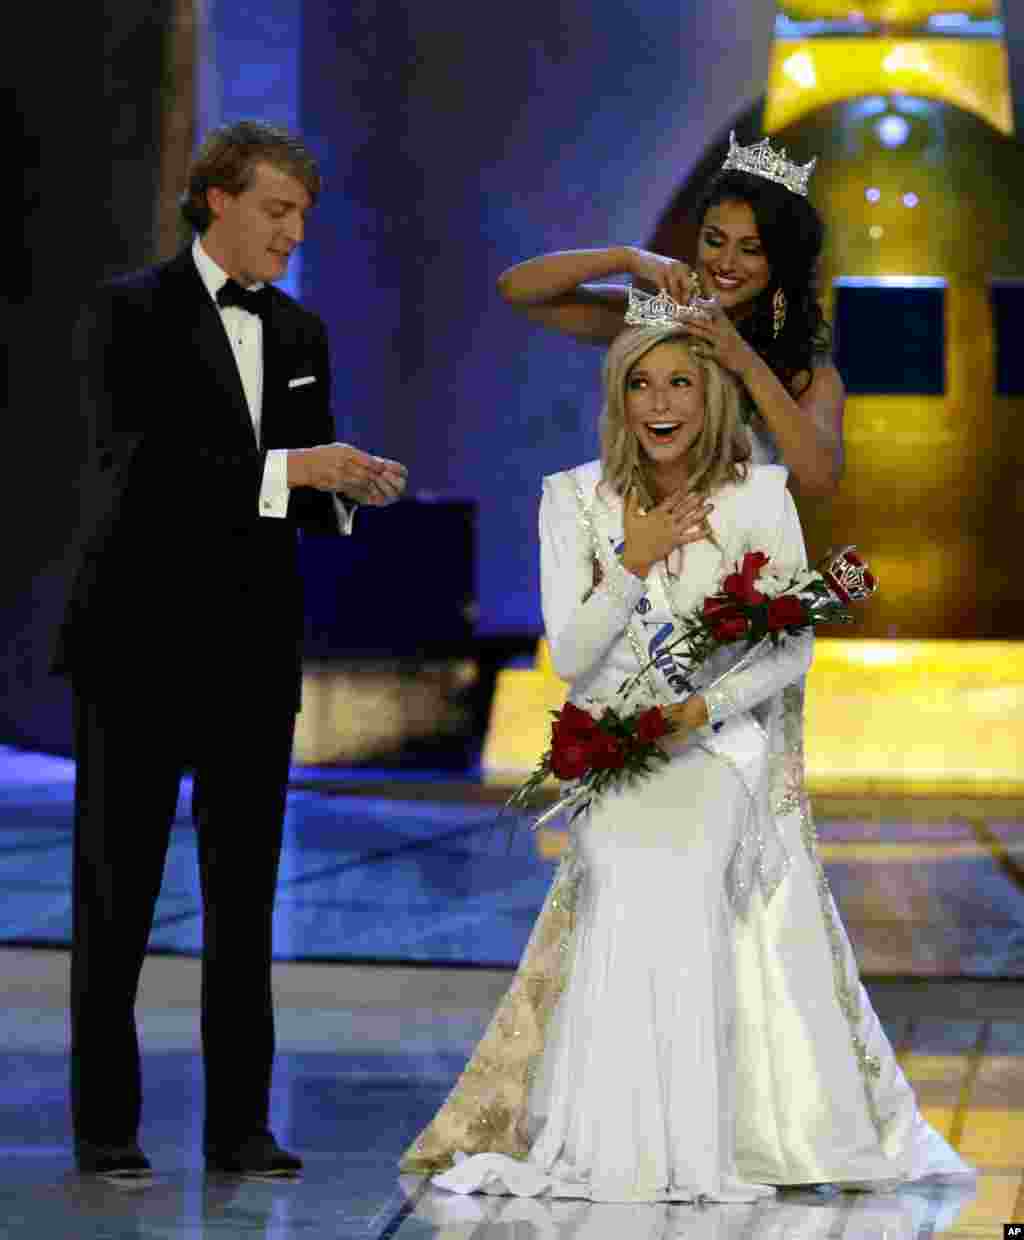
<point>339,467</point>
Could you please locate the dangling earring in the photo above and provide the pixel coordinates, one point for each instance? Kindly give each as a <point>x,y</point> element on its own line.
<point>778,312</point>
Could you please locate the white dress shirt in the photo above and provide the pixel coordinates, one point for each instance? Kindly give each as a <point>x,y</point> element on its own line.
<point>245,335</point>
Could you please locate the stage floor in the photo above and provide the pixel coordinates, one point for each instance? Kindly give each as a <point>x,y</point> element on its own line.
<point>399,894</point>
<point>400,867</point>
<point>366,1054</point>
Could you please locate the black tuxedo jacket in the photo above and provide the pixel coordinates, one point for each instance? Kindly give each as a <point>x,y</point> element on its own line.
<point>176,576</point>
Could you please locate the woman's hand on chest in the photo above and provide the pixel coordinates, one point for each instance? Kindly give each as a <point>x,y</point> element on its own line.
<point>677,520</point>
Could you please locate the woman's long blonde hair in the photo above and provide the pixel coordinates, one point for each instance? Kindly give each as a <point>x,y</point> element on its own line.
<point>721,451</point>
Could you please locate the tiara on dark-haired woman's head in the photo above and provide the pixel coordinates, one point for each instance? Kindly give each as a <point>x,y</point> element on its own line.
<point>761,160</point>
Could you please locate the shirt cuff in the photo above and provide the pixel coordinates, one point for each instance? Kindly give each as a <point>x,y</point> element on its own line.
<point>345,509</point>
<point>274,493</point>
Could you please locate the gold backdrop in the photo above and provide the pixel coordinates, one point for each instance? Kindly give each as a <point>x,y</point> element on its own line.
<point>933,490</point>
<point>886,10</point>
<point>933,485</point>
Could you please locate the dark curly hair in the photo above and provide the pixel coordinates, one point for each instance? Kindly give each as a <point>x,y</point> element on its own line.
<point>226,160</point>
<point>792,232</point>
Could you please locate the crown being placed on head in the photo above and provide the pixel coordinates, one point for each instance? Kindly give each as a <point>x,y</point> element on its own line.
<point>762,161</point>
<point>661,310</point>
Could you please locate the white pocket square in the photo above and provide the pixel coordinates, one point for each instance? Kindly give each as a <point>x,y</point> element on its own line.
<point>299,382</point>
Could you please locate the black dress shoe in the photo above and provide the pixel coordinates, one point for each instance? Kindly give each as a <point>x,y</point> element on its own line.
<point>256,1155</point>
<point>114,1161</point>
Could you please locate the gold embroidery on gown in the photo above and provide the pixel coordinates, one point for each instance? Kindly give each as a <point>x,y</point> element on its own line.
<point>486,1111</point>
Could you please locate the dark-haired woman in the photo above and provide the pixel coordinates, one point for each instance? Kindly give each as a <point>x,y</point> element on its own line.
<point>757,253</point>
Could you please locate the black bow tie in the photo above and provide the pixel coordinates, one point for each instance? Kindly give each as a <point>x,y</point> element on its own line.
<point>252,299</point>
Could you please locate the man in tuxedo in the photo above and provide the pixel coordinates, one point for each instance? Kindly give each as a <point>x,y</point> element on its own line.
<point>205,391</point>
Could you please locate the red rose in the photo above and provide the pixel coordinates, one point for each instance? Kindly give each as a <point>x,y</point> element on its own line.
<point>784,611</point>
<point>651,725</point>
<point>572,736</point>
<point>572,721</point>
<point>733,585</point>
<point>605,753</point>
<point>740,584</point>
<point>569,759</point>
<point>572,724</point>
<point>729,628</point>
<point>717,603</point>
<point>725,617</point>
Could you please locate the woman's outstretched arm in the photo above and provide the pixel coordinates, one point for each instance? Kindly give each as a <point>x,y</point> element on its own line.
<point>556,290</point>
<point>559,289</point>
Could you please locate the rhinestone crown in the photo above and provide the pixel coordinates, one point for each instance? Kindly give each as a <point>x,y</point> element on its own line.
<point>849,576</point>
<point>762,161</point>
<point>661,310</point>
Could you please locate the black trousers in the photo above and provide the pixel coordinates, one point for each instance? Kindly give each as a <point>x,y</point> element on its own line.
<point>132,748</point>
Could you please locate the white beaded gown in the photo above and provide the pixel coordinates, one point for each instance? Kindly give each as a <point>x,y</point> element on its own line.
<point>687,1022</point>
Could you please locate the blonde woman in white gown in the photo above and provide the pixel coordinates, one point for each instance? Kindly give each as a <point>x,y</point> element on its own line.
<point>687,1022</point>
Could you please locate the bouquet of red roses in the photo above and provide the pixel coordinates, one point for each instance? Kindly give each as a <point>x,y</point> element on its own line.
<point>752,605</point>
<point>597,752</point>
<point>756,606</point>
